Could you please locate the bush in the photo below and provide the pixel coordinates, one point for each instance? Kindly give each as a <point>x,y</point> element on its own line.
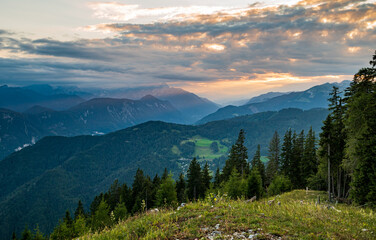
<point>279,185</point>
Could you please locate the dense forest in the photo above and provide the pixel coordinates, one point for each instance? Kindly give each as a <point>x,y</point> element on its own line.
<point>341,162</point>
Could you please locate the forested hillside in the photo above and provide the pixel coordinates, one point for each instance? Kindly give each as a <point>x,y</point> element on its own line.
<point>52,175</point>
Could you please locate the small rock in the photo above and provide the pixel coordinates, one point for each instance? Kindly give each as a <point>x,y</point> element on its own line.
<point>364,230</point>
<point>253,236</point>
<point>217,226</point>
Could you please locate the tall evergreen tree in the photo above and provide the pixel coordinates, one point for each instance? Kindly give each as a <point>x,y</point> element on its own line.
<point>26,234</point>
<point>156,183</point>
<point>166,194</point>
<point>206,178</point>
<point>181,189</point>
<point>101,217</point>
<point>287,154</point>
<point>258,165</point>
<point>165,174</point>
<point>360,126</point>
<point>217,178</point>
<point>236,186</point>
<point>297,156</point>
<point>254,186</point>
<point>237,159</point>
<point>194,186</point>
<point>79,210</point>
<point>309,162</point>
<point>273,164</point>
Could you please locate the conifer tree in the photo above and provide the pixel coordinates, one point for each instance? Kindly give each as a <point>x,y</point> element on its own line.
<point>120,211</point>
<point>273,164</point>
<point>206,178</point>
<point>309,162</point>
<point>126,196</point>
<point>237,159</point>
<point>181,189</point>
<point>236,186</point>
<point>113,195</point>
<point>296,160</point>
<point>68,219</point>
<point>38,235</point>
<point>26,234</point>
<point>165,174</point>
<point>101,217</point>
<point>156,183</point>
<point>286,154</point>
<point>360,124</point>
<point>194,186</point>
<point>80,227</point>
<point>258,165</point>
<point>14,237</point>
<point>254,185</point>
<point>166,194</point>
<point>217,178</point>
<point>79,210</point>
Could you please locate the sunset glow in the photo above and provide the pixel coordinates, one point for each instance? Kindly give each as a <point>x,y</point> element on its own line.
<point>206,48</point>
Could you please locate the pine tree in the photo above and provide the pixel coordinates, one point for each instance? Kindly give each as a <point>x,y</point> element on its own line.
<point>217,179</point>
<point>286,154</point>
<point>141,191</point>
<point>360,124</point>
<point>237,159</point>
<point>68,219</point>
<point>254,185</point>
<point>120,211</point>
<point>236,186</point>
<point>273,164</point>
<point>309,162</point>
<point>181,189</point>
<point>26,234</point>
<point>14,237</point>
<point>258,165</point>
<point>296,161</point>
<point>113,195</point>
<point>80,226</point>
<point>206,178</point>
<point>165,174</point>
<point>166,194</point>
<point>101,217</point>
<point>79,210</point>
<point>156,183</point>
<point>194,186</point>
<point>38,235</point>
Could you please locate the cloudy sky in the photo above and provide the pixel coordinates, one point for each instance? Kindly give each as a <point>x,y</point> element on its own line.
<point>219,49</point>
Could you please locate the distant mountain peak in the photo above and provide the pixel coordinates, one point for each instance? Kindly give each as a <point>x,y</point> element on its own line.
<point>37,109</point>
<point>149,97</point>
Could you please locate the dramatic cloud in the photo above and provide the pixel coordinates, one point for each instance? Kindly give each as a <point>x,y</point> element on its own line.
<point>252,48</point>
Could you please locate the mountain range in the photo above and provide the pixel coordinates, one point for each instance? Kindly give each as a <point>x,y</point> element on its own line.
<point>20,99</point>
<point>315,97</point>
<point>96,116</point>
<point>41,181</point>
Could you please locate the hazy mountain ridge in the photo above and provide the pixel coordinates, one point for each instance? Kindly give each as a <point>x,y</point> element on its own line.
<point>189,104</point>
<point>20,99</point>
<point>315,97</point>
<point>95,116</point>
<point>50,176</point>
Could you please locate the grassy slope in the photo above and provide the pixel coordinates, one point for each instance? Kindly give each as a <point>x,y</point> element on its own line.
<point>297,217</point>
<point>203,150</point>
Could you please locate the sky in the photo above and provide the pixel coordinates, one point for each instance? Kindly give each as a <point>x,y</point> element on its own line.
<point>222,50</point>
